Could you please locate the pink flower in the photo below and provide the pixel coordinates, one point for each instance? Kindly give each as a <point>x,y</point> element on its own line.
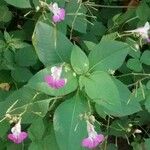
<point>54,79</point>
<point>17,136</point>
<point>93,139</point>
<point>142,31</point>
<point>59,13</point>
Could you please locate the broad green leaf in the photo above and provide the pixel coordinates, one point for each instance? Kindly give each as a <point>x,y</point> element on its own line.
<point>19,3</point>
<point>145,58</point>
<point>79,61</point>
<point>134,64</point>
<point>108,55</point>
<point>69,128</point>
<point>38,83</point>
<point>129,103</point>
<point>101,88</point>
<point>6,15</point>
<point>21,74</point>
<point>76,16</point>
<point>51,45</point>
<point>26,56</point>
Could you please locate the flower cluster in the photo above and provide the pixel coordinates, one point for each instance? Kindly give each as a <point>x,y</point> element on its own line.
<point>93,139</point>
<point>17,136</point>
<point>54,79</point>
<point>58,13</point>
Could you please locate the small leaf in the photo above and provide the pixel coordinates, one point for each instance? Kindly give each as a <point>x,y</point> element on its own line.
<point>6,15</point>
<point>26,56</point>
<point>134,64</point>
<point>145,58</point>
<point>21,74</point>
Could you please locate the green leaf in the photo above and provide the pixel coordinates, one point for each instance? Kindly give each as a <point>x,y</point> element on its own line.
<point>26,99</point>
<point>76,17</point>
<point>49,44</point>
<point>147,144</point>
<point>38,83</point>
<point>46,142</point>
<point>26,56</point>
<point>79,61</point>
<point>134,64</point>
<point>137,146</point>
<point>20,4</point>
<point>69,128</point>
<point>21,96</point>
<point>21,74</point>
<point>143,11</point>
<point>145,58</point>
<point>129,103</point>
<point>36,130</point>
<point>6,15</point>
<point>108,55</point>
<point>101,88</point>
<point>147,102</point>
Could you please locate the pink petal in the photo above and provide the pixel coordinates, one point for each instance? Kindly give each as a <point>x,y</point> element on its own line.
<point>56,84</point>
<point>93,142</point>
<point>60,83</point>
<point>56,18</point>
<point>50,81</point>
<point>62,14</point>
<point>99,138</point>
<point>21,137</point>
<point>87,142</point>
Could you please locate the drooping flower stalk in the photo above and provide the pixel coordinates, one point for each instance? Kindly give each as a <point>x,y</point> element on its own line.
<point>17,136</point>
<point>58,13</point>
<point>54,80</point>
<point>93,139</point>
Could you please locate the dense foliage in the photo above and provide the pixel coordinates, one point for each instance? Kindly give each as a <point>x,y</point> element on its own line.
<point>72,69</point>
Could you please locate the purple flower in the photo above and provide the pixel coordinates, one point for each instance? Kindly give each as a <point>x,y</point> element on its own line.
<point>54,79</point>
<point>59,13</point>
<point>17,136</point>
<point>93,139</point>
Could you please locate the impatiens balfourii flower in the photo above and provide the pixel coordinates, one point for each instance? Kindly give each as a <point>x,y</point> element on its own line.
<point>54,79</point>
<point>142,31</point>
<point>17,136</point>
<point>93,139</point>
<point>58,13</point>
